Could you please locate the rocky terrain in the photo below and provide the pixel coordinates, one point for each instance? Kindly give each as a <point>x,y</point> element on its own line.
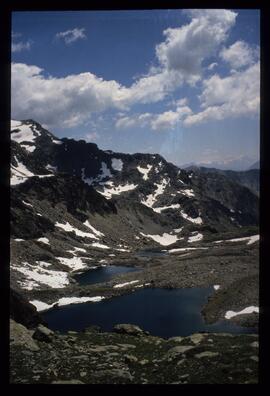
<point>75,207</point>
<point>130,356</point>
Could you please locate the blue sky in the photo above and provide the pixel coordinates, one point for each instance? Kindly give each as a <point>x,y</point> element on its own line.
<point>182,83</point>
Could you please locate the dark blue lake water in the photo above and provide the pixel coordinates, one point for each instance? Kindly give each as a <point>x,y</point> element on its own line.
<point>165,313</point>
<point>102,274</point>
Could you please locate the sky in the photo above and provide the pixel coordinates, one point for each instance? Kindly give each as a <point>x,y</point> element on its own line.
<point>181,83</point>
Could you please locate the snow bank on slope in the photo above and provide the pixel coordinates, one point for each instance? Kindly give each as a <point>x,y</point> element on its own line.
<point>116,190</point>
<point>37,275</point>
<point>78,300</point>
<point>151,198</point>
<point>160,209</point>
<point>75,263</point>
<point>117,164</point>
<point>44,240</point>
<point>69,228</point>
<point>95,231</point>
<point>187,192</point>
<point>248,310</point>
<point>41,306</point>
<point>164,239</point>
<point>195,237</point>
<point>125,284</point>
<point>145,171</point>
<point>250,240</point>
<point>196,220</point>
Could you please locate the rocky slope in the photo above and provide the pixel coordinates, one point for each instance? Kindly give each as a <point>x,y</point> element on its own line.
<point>130,356</point>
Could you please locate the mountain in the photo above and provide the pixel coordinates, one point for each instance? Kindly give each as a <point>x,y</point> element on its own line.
<point>249,178</point>
<point>238,164</point>
<point>76,208</point>
<point>256,165</point>
<point>69,196</point>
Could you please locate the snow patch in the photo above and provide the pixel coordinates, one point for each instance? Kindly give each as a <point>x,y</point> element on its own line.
<point>145,171</point>
<point>187,192</point>
<point>87,180</point>
<point>116,190</point>
<point>27,204</point>
<point>69,228</point>
<point>125,284</point>
<point>78,300</point>
<point>41,306</point>
<point>248,310</point>
<point>19,173</point>
<point>252,239</point>
<point>151,198</point>
<point>195,238</point>
<point>186,249</point>
<point>165,239</point>
<point>25,133</point>
<point>28,147</point>
<point>75,263</point>
<point>100,245</point>
<point>117,164</point>
<point>196,220</point>
<point>96,232</point>
<point>44,240</point>
<point>160,209</point>
<point>51,168</point>
<point>37,275</point>
<point>76,249</point>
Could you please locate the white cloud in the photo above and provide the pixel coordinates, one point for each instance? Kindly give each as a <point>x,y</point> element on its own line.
<point>91,136</point>
<point>71,101</point>
<point>186,47</point>
<point>238,54</point>
<point>70,36</point>
<point>66,101</point>
<point>232,96</point>
<point>157,122</point>
<point>21,45</point>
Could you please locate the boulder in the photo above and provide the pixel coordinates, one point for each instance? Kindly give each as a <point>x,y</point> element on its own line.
<point>20,335</point>
<point>43,334</point>
<point>72,381</point>
<point>178,350</point>
<point>129,329</point>
<point>21,311</point>
<point>206,354</point>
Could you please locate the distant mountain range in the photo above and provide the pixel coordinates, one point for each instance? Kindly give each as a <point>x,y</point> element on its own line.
<point>240,165</point>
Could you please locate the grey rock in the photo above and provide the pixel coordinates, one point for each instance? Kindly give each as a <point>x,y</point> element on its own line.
<point>255,344</point>
<point>129,329</point>
<point>176,339</point>
<point>206,354</point>
<point>115,373</point>
<point>130,359</point>
<point>72,381</point>
<point>196,338</point>
<point>43,334</point>
<point>20,335</point>
<point>178,350</point>
<point>143,362</point>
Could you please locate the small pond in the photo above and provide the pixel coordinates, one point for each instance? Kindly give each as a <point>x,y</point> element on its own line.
<point>162,312</point>
<point>102,274</point>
